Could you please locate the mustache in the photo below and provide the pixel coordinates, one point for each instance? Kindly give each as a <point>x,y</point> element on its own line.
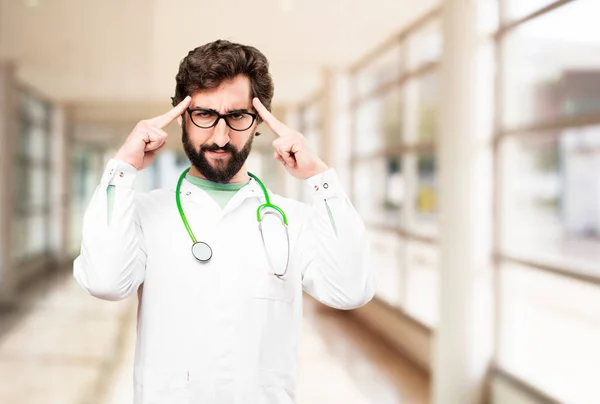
<point>214,148</point>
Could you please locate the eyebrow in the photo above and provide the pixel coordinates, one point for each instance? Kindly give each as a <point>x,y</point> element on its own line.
<point>231,111</point>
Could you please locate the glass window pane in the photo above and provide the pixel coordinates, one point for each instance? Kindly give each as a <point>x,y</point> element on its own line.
<point>384,69</point>
<point>391,125</point>
<point>313,138</point>
<point>422,282</point>
<point>21,184</point>
<point>37,109</point>
<point>37,236</point>
<point>24,135</point>
<point>38,187</point>
<point>379,190</point>
<point>366,123</point>
<point>37,149</point>
<point>19,236</point>
<point>550,203</point>
<point>34,116</point>
<point>386,250</point>
<point>379,123</point>
<point>549,333</point>
<point>312,130</point>
<point>312,126</point>
<point>551,72</point>
<point>425,45</point>
<point>312,116</point>
<point>425,200</point>
<point>427,108</point>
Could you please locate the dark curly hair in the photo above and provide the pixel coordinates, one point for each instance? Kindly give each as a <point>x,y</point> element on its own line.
<point>208,65</point>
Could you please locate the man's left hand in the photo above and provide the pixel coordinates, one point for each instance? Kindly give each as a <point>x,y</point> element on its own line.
<point>291,148</point>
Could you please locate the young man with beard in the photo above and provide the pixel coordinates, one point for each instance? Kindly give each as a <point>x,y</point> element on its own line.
<point>220,295</point>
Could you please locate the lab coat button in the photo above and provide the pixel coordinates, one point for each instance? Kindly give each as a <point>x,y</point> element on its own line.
<point>188,193</point>
<point>316,187</point>
<point>121,174</point>
<point>326,185</point>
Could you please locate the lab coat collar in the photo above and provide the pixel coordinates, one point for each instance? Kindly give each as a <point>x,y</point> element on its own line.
<point>192,192</point>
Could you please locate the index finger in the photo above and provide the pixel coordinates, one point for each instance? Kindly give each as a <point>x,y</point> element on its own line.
<point>163,120</point>
<point>276,126</point>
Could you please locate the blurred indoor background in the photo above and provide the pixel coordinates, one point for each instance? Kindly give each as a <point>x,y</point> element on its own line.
<point>466,132</point>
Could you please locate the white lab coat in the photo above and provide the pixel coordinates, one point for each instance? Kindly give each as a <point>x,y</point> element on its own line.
<point>225,331</point>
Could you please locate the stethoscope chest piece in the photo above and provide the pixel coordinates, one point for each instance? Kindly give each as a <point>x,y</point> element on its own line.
<point>201,251</point>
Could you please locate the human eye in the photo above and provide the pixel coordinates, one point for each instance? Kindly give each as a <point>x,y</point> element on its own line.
<point>201,113</point>
<point>236,116</point>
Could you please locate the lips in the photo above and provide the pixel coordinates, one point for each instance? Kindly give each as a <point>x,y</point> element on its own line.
<point>218,154</point>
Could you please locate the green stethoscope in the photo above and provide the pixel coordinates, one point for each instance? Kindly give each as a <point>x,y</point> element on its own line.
<point>203,252</point>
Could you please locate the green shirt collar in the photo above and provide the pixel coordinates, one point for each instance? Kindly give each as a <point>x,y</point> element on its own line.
<point>215,186</point>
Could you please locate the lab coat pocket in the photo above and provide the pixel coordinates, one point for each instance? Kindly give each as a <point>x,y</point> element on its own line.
<point>276,326</point>
<point>158,385</point>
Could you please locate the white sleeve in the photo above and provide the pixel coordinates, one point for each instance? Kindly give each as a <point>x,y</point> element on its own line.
<point>112,262</point>
<point>333,247</point>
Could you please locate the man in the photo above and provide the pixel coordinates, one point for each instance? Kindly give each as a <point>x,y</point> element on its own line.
<point>219,317</point>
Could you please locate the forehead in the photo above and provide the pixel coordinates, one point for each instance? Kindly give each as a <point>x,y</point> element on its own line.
<point>229,94</point>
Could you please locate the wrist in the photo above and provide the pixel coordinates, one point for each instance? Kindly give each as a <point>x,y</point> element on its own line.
<point>126,159</point>
<point>319,169</point>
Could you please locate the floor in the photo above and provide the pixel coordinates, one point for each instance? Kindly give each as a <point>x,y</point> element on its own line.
<point>61,346</point>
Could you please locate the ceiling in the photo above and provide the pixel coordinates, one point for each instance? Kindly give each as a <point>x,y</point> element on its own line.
<point>115,60</point>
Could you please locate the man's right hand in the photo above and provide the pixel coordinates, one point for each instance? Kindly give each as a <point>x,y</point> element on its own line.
<point>148,137</point>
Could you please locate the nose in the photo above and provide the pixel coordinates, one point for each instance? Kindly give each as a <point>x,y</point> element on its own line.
<point>221,133</point>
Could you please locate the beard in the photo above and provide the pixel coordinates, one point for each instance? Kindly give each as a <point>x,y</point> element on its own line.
<point>223,170</point>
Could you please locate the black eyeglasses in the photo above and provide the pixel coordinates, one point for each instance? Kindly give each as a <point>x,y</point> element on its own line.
<point>207,118</point>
